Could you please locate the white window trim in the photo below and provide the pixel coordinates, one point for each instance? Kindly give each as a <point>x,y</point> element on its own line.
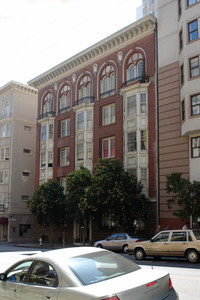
<point>109,107</point>
<point>64,157</point>
<point>109,146</point>
<point>64,133</point>
<point>5,176</point>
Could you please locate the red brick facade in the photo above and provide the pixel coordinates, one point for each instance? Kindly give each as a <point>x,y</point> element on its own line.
<point>136,42</point>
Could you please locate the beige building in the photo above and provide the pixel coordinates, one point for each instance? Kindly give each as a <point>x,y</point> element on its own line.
<point>18,107</point>
<point>178,94</point>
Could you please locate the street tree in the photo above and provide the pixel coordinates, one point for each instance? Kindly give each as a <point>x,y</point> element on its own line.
<point>185,194</point>
<point>116,194</point>
<point>78,207</point>
<point>48,205</point>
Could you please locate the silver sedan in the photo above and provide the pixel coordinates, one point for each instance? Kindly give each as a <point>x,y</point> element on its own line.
<point>83,273</point>
<point>117,242</point>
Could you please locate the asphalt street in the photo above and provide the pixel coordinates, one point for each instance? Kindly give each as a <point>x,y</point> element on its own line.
<point>185,276</point>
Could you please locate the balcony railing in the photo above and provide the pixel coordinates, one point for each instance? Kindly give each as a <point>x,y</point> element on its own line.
<point>107,93</point>
<point>64,109</point>
<point>141,79</point>
<point>84,100</point>
<point>47,114</point>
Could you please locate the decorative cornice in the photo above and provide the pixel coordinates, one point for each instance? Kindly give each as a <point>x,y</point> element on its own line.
<point>131,33</point>
<point>16,85</point>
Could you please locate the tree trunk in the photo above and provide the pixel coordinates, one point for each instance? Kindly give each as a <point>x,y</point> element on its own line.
<point>51,235</point>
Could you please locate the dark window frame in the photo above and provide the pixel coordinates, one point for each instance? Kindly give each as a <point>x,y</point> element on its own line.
<point>182,74</point>
<point>195,105</point>
<point>183,110</point>
<point>195,66</point>
<point>192,31</point>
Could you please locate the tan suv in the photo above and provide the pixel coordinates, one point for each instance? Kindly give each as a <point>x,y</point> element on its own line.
<point>177,243</point>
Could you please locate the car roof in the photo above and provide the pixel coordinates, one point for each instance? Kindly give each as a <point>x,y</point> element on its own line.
<point>177,230</point>
<point>172,230</point>
<point>66,252</point>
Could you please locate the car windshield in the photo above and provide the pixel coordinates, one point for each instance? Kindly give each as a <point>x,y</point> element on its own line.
<point>99,266</point>
<point>197,234</point>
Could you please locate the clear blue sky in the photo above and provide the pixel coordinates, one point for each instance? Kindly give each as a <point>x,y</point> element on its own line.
<point>36,35</point>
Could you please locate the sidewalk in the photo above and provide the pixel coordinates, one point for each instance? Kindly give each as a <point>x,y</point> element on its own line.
<point>43,246</point>
<point>19,247</point>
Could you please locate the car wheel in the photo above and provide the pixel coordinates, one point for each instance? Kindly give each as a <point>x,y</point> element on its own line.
<point>99,246</point>
<point>140,254</point>
<point>125,248</point>
<point>192,256</point>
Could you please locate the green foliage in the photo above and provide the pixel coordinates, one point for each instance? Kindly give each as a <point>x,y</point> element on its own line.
<point>185,194</point>
<point>111,191</point>
<point>116,193</point>
<point>77,183</point>
<point>48,204</point>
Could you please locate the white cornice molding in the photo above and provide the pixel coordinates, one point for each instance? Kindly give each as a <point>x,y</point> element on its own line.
<point>19,86</point>
<point>131,33</point>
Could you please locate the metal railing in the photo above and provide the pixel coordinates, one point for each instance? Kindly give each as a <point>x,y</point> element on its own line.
<point>85,100</point>
<point>64,109</point>
<point>141,79</point>
<point>107,93</point>
<point>47,114</point>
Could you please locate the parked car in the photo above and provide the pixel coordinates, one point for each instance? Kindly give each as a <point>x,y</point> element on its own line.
<point>117,242</point>
<point>177,243</point>
<point>83,273</point>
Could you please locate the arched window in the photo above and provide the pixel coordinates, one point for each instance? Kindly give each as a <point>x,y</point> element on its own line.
<point>48,105</point>
<point>107,82</point>
<point>112,81</point>
<point>140,69</point>
<point>89,89</point>
<point>81,92</point>
<point>135,69</point>
<point>65,99</point>
<point>132,72</point>
<point>84,91</point>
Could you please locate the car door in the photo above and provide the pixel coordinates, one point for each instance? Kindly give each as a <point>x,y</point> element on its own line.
<point>13,283</point>
<point>178,243</point>
<point>159,244</point>
<point>111,243</point>
<point>120,240</point>
<point>42,283</point>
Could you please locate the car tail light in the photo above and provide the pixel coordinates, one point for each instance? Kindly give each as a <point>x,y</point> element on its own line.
<point>170,284</point>
<point>151,283</point>
<point>137,241</point>
<point>111,298</point>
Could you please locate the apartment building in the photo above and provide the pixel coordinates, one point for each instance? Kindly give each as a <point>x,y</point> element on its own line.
<point>18,106</point>
<point>148,7</point>
<point>101,103</point>
<point>178,95</point>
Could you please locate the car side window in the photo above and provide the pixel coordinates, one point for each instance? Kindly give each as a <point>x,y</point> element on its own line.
<point>179,236</point>
<point>189,237</point>
<point>162,237</point>
<point>121,236</point>
<point>18,273</point>
<point>43,274</point>
<point>112,237</point>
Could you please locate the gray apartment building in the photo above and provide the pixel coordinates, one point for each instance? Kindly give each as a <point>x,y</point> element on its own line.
<point>18,108</point>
